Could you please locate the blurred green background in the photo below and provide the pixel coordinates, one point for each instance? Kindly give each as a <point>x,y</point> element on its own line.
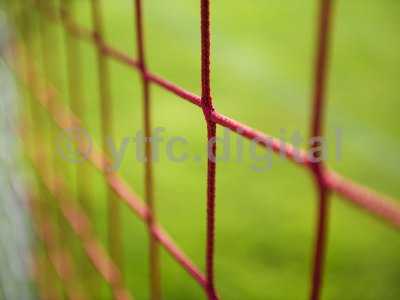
<point>262,56</point>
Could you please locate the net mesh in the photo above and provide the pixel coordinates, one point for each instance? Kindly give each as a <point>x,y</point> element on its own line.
<point>107,263</point>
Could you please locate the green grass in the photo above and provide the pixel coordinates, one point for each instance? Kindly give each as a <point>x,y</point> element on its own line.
<point>261,75</point>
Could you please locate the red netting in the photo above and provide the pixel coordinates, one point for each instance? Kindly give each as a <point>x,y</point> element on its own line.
<point>326,180</point>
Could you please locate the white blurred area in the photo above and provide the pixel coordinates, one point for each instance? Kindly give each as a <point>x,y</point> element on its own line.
<point>15,229</point>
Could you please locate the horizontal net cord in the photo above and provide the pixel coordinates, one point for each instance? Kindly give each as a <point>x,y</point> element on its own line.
<point>236,126</point>
<point>248,132</point>
<point>381,206</point>
<point>367,199</point>
<point>89,35</point>
<point>299,156</point>
<point>64,119</point>
<point>81,226</point>
<point>60,259</point>
<point>378,205</point>
<point>171,87</point>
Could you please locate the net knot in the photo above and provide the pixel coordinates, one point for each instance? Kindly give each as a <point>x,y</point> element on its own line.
<point>208,108</point>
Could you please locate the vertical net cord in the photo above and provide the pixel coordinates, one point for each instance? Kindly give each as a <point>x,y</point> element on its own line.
<point>320,76</point>
<point>74,77</point>
<point>49,74</point>
<point>208,109</point>
<point>114,218</point>
<point>154,249</point>
<point>49,65</point>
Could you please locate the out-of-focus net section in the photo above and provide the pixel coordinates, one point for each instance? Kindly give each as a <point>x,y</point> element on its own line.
<point>61,219</point>
<point>15,229</point>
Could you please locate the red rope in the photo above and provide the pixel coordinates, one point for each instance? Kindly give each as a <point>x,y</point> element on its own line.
<point>59,257</point>
<point>320,73</point>
<point>64,118</point>
<point>377,205</point>
<point>295,155</point>
<point>107,131</point>
<point>326,180</point>
<point>154,257</point>
<point>207,106</point>
<point>81,227</point>
<point>380,206</point>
